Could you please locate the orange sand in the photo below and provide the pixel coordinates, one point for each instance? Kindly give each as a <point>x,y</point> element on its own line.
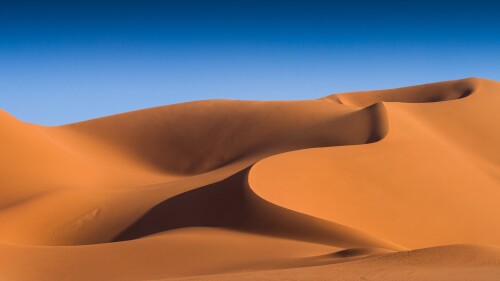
<point>398,184</point>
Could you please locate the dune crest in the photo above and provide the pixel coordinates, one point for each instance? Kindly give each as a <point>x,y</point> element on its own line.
<point>352,181</point>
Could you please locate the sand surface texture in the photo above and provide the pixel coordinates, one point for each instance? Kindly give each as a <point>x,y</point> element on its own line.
<point>400,184</point>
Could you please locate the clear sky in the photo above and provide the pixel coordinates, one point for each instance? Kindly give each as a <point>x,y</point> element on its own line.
<point>67,61</point>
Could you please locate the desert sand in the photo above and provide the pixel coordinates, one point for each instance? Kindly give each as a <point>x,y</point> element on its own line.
<point>400,184</point>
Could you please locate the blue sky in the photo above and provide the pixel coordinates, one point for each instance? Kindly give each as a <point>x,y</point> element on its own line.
<point>67,61</point>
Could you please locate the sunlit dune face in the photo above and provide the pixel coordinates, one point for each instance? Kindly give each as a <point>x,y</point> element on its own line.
<point>352,183</point>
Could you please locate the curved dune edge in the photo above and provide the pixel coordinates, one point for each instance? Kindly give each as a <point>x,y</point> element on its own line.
<point>171,200</point>
<point>430,181</point>
<point>232,204</point>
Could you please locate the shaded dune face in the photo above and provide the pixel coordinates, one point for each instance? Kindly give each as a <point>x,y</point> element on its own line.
<point>232,204</point>
<point>213,139</point>
<point>360,174</point>
<point>197,137</point>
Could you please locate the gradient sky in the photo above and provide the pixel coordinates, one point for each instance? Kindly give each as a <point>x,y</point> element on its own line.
<point>67,61</point>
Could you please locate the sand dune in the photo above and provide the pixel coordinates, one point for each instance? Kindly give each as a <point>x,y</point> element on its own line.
<point>374,184</point>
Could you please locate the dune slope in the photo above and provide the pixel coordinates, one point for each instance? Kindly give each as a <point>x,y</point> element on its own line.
<point>348,185</point>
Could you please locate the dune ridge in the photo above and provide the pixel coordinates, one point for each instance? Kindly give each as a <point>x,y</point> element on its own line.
<point>352,182</point>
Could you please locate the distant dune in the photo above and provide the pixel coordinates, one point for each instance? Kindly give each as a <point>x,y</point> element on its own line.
<point>400,184</point>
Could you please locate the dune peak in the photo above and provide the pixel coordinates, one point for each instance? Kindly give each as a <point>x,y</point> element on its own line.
<point>229,189</point>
